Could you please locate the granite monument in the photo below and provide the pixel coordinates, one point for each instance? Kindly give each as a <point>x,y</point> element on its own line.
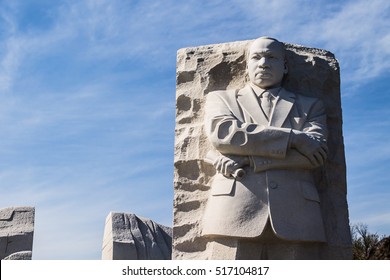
<point>259,160</point>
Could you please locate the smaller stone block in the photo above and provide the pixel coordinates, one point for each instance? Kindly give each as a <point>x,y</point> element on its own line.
<point>23,255</point>
<point>129,237</point>
<point>16,233</point>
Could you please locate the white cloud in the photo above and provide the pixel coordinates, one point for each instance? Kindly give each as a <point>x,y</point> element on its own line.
<point>378,219</point>
<point>371,208</point>
<point>356,31</point>
<point>9,63</point>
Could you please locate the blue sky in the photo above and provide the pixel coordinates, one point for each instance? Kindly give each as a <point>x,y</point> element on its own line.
<point>87,103</point>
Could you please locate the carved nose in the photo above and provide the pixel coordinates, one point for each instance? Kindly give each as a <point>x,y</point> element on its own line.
<point>262,61</point>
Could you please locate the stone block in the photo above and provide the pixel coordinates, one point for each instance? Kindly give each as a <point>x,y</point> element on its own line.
<point>16,232</point>
<point>129,237</point>
<point>200,70</point>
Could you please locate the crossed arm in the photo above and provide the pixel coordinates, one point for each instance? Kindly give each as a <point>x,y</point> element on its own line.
<point>265,147</point>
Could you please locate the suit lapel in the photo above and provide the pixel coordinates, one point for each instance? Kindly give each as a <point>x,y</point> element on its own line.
<point>282,108</point>
<point>250,105</point>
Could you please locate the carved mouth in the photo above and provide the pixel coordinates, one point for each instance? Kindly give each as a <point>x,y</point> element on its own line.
<point>263,74</point>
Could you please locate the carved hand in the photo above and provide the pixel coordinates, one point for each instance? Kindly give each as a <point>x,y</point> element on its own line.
<point>311,146</point>
<point>229,165</point>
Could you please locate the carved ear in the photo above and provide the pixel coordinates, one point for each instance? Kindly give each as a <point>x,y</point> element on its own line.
<point>246,70</point>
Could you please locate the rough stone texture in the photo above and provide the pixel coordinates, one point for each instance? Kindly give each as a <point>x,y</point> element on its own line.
<point>312,72</point>
<point>129,237</point>
<point>16,232</point>
<point>23,255</point>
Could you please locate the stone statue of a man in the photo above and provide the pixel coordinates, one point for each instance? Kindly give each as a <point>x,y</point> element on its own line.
<point>276,138</point>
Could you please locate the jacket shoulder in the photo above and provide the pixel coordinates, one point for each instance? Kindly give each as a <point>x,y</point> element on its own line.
<point>303,99</point>
<point>223,94</point>
<point>227,97</point>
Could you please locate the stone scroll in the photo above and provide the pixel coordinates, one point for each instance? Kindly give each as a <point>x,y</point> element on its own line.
<point>200,70</point>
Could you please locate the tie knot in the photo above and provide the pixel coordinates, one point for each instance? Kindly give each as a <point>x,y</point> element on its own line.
<point>266,95</point>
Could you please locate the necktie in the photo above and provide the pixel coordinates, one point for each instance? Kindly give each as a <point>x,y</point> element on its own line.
<point>266,103</point>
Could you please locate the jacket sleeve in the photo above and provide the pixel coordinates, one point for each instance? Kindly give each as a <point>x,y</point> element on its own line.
<point>229,134</point>
<point>293,160</point>
<point>314,126</point>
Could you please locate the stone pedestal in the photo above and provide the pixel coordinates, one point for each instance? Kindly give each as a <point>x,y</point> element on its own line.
<point>200,70</point>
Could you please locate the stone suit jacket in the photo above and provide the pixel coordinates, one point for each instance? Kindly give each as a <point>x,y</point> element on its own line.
<point>279,185</point>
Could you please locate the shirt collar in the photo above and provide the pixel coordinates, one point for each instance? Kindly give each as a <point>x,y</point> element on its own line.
<point>259,91</point>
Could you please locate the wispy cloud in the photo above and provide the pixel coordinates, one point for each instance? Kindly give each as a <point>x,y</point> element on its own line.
<point>371,208</point>
<point>358,32</point>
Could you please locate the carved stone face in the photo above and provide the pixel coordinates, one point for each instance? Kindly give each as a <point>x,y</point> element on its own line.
<point>266,63</point>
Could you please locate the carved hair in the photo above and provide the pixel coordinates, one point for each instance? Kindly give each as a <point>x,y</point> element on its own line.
<point>268,38</point>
